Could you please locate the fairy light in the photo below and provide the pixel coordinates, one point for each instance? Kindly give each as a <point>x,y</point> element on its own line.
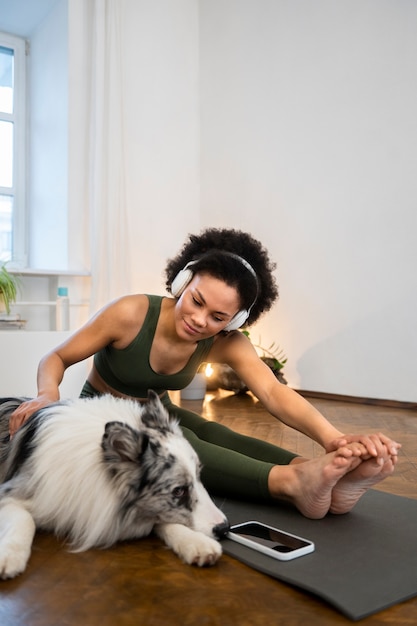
<point>209,370</point>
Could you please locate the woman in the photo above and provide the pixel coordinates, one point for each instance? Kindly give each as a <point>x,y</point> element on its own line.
<point>221,280</point>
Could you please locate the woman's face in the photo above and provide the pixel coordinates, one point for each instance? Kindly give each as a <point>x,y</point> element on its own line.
<point>205,307</point>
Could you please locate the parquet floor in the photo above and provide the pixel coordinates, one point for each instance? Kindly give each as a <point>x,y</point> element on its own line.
<point>143,583</point>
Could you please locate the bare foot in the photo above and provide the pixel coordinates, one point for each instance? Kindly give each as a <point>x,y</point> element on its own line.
<point>355,483</point>
<point>309,484</point>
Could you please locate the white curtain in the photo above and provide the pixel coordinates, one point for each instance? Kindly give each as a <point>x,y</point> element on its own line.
<point>109,223</point>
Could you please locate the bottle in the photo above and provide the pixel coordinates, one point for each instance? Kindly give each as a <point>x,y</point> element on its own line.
<point>62,309</point>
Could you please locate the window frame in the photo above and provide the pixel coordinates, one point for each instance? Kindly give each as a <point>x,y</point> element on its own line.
<point>19,118</point>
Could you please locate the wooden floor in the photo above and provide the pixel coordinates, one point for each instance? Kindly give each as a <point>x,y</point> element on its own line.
<point>143,583</point>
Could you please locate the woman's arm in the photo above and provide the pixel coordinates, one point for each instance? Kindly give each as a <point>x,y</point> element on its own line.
<point>285,404</point>
<point>117,324</point>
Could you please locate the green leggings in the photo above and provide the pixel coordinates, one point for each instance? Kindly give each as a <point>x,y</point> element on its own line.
<point>234,465</point>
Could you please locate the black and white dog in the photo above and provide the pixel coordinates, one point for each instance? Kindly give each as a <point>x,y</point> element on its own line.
<point>100,470</point>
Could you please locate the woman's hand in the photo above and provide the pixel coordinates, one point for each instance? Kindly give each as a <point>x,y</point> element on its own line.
<point>376,445</point>
<point>25,410</point>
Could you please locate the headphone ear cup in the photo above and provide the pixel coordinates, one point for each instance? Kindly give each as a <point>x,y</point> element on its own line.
<point>237,321</point>
<point>180,282</point>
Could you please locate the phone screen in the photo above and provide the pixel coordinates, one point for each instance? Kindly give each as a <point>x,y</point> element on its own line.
<point>269,537</point>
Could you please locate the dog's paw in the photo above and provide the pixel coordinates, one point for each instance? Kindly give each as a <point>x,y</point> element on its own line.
<point>202,551</point>
<point>194,548</point>
<point>13,560</point>
<point>17,529</point>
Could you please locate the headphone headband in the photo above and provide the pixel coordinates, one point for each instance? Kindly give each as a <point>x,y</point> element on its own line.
<point>244,262</point>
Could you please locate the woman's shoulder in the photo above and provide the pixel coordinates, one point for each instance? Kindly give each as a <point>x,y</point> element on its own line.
<point>125,317</point>
<point>126,310</point>
<point>131,303</point>
<point>228,346</point>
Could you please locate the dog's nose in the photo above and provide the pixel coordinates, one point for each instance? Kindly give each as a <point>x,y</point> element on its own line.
<point>221,529</point>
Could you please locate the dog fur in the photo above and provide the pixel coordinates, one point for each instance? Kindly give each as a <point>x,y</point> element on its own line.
<point>101,470</point>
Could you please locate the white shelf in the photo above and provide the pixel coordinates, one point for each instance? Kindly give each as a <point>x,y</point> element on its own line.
<point>46,303</point>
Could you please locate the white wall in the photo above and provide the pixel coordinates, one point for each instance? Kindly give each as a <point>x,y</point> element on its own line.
<point>48,175</point>
<point>163,103</point>
<point>309,141</point>
<point>161,123</point>
<point>24,351</point>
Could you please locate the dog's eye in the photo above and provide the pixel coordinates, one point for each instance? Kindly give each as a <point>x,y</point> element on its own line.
<point>180,492</point>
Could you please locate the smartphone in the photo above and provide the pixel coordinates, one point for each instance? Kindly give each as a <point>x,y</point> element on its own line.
<point>269,540</point>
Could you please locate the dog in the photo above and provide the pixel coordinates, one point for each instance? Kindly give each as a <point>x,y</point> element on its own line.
<point>101,470</point>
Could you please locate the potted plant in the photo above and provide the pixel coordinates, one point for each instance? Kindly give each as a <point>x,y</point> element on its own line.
<point>8,289</point>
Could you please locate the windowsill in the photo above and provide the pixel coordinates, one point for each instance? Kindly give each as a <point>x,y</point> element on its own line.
<point>40,272</point>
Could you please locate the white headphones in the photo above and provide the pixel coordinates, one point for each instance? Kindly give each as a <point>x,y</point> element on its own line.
<point>185,276</point>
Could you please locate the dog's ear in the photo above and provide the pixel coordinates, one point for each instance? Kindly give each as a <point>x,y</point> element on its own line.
<point>120,442</point>
<point>154,414</point>
<point>153,396</point>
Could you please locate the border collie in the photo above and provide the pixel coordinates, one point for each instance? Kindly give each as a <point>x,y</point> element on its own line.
<point>98,471</point>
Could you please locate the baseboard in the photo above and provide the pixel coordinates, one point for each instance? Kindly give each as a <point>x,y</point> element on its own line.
<point>396,404</point>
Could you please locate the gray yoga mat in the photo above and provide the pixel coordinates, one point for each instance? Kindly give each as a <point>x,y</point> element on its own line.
<point>364,561</point>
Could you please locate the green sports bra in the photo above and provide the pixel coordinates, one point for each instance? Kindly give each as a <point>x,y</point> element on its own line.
<point>128,370</point>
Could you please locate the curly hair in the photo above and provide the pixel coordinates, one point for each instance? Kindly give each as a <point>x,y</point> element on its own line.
<point>213,253</point>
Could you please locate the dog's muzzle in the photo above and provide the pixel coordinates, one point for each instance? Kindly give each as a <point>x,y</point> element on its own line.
<point>221,530</point>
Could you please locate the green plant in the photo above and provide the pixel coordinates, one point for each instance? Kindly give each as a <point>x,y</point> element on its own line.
<point>223,376</point>
<point>273,356</point>
<point>8,287</point>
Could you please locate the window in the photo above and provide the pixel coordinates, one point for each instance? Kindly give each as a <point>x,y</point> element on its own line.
<point>12,148</point>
